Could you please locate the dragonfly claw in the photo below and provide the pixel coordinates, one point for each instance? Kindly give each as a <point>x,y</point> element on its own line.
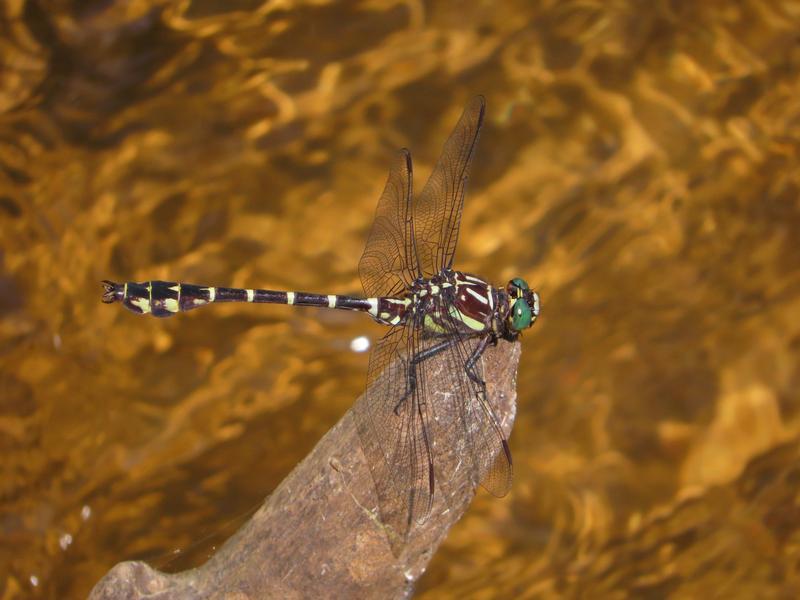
<point>111,291</point>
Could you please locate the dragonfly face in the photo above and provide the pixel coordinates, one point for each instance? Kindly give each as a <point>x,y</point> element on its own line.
<point>523,303</point>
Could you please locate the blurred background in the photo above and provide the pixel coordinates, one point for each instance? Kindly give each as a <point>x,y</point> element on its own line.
<point>638,166</point>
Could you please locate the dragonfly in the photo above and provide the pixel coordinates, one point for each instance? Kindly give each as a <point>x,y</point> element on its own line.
<point>431,310</point>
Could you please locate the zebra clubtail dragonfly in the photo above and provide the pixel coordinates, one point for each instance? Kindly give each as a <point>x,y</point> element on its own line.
<point>431,310</point>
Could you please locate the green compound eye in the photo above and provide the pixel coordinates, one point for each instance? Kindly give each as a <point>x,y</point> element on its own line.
<point>520,315</point>
<point>520,283</point>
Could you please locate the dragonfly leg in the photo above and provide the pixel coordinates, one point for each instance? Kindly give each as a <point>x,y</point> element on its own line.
<point>411,381</point>
<point>469,366</point>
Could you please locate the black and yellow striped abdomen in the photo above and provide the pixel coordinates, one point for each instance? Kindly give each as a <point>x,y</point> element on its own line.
<point>159,298</point>
<point>166,298</point>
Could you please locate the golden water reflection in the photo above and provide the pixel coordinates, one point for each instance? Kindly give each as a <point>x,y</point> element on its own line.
<point>638,166</point>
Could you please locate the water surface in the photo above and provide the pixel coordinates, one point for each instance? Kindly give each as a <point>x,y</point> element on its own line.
<point>638,166</point>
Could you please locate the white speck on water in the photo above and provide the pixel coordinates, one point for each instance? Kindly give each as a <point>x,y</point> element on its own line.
<point>65,540</point>
<point>34,580</point>
<point>360,344</point>
<point>86,512</point>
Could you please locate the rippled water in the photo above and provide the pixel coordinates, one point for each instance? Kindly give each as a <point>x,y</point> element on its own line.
<point>638,165</point>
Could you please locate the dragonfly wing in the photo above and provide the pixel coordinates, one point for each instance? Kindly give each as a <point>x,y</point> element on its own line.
<point>437,213</point>
<point>389,264</point>
<point>466,403</point>
<point>391,420</point>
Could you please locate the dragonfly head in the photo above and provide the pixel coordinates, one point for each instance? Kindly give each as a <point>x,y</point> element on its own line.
<point>523,305</point>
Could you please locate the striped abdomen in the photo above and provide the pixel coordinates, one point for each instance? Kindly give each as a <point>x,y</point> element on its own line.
<point>166,298</point>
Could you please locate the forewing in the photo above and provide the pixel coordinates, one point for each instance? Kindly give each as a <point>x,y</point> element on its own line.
<point>388,264</point>
<point>437,213</point>
<point>473,426</point>
<point>394,436</point>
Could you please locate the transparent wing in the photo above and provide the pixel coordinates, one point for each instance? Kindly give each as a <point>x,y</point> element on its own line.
<point>463,400</point>
<point>437,213</point>
<point>392,423</point>
<point>431,435</point>
<point>388,264</point>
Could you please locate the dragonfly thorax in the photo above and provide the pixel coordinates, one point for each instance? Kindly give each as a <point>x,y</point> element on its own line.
<point>458,302</point>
